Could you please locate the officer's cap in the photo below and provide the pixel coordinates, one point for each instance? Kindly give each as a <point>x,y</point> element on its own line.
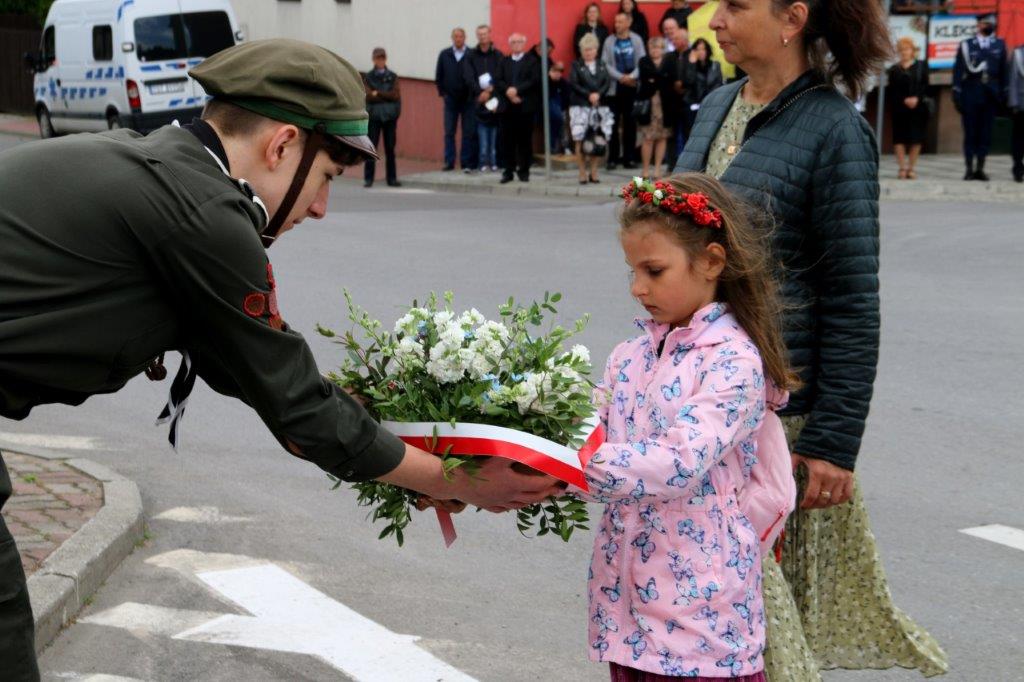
<point>294,82</point>
<point>987,19</point>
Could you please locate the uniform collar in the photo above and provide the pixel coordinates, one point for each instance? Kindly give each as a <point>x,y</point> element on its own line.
<point>205,133</point>
<point>211,142</point>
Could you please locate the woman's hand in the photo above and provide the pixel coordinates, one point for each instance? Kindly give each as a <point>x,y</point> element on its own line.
<point>827,484</point>
<point>594,98</point>
<point>911,102</point>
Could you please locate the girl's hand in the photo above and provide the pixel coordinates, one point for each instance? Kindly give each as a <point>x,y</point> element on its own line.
<point>827,484</point>
<point>451,506</point>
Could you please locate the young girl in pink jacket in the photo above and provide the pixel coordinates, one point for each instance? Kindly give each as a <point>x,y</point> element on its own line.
<point>675,577</point>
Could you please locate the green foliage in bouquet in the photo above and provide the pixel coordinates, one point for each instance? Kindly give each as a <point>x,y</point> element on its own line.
<point>439,366</point>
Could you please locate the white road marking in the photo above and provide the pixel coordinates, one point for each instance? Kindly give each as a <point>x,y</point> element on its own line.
<point>287,615</point>
<point>292,616</point>
<point>51,442</point>
<point>151,619</point>
<point>93,677</point>
<point>209,515</point>
<point>1004,535</point>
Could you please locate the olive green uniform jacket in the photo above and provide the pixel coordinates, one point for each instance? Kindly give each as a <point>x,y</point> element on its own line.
<point>115,248</point>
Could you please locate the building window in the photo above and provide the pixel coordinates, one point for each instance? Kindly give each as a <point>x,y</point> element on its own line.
<point>102,43</point>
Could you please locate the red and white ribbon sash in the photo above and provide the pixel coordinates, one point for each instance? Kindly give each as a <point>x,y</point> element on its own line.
<point>536,452</point>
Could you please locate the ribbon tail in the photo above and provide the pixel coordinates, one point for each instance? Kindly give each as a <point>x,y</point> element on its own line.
<point>444,519</point>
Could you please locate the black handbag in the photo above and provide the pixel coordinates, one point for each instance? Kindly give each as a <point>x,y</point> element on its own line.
<point>642,111</point>
<point>594,141</point>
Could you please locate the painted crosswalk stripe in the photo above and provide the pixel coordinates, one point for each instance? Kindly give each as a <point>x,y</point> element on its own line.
<point>276,611</point>
<point>1004,535</point>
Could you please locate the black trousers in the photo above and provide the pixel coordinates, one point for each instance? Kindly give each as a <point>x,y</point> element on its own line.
<point>622,146</point>
<point>979,113</point>
<point>17,627</point>
<point>516,132</point>
<point>388,128</point>
<point>1017,146</point>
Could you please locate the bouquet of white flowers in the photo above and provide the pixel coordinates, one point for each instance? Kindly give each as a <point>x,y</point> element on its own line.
<point>452,369</point>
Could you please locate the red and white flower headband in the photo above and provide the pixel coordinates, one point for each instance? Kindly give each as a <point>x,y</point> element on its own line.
<point>663,195</point>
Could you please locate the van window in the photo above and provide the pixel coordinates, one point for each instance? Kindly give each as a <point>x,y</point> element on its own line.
<point>175,36</point>
<point>102,43</point>
<point>49,46</point>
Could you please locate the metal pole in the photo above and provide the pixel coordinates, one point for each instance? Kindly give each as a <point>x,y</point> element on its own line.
<point>880,114</point>
<point>544,87</point>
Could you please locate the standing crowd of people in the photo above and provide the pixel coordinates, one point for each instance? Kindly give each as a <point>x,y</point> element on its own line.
<point>629,97</point>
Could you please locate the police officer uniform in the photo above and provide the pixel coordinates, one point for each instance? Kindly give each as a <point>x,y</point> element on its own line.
<point>119,247</point>
<point>979,81</point>
<point>1015,101</point>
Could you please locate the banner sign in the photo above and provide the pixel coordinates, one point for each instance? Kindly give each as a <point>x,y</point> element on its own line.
<point>945,33</point>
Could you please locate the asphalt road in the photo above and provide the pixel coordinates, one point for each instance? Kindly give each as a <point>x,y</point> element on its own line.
<point>941,454</point>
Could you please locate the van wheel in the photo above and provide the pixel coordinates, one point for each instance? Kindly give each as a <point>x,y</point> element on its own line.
<point>46,130</point>
<point>113,121</point>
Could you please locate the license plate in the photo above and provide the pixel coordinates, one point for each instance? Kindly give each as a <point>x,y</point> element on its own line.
<point>166,88</point>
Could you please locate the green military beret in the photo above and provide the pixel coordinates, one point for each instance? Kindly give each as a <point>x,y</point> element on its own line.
<point>294,82</point>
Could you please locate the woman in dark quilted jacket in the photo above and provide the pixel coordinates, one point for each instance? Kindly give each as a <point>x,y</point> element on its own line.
<point>786,139</point>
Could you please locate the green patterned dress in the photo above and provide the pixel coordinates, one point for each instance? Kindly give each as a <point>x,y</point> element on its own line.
<point>828,603</point>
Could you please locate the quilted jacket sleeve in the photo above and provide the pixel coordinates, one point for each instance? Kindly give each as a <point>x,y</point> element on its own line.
<point>844,225</point>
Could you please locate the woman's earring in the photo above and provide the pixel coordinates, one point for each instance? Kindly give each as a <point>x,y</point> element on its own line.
<point>785,42</point>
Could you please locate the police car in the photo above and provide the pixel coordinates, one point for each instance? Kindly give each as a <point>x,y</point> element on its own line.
<point>108,64</point>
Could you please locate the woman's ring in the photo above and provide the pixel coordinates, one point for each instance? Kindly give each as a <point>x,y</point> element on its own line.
<point>826,494</point>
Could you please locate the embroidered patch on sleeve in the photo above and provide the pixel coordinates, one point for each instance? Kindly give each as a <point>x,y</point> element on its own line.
<point>275,315</point>
<point>255,304</point>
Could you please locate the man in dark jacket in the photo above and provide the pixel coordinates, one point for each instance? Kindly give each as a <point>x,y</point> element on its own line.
<point>451,85</point>
<point>679,10</point>
<point>384,103</point>
<point>518,85</point>
<point>674,66</point>
<point>165,249</point>
<point>480,67</point>
<point>979,84</point>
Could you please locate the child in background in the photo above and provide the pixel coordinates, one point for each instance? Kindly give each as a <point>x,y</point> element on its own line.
<point>675,577</point>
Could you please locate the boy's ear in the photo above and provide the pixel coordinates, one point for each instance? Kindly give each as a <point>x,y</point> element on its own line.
<point>279,142</point>
<point>713,260</point>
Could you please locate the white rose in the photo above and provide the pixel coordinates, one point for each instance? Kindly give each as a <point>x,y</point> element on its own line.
<point>581,352</point>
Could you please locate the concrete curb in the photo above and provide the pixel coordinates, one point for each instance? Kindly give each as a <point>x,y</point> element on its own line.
<point>77,568</point>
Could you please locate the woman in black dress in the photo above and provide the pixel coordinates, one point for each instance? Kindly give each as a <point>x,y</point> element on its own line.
<point>702,75</point>
<point>591,24</point>
<point>908,85</point>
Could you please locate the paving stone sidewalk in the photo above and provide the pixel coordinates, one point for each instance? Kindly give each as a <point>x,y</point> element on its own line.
<point>51,501</point>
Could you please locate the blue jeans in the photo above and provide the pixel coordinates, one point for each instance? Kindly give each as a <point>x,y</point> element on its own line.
<point>557,116</point>
<point>454,109</point>
<point>487,137</point>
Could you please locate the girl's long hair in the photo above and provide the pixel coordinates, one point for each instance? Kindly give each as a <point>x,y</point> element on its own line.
<point>747,283</point>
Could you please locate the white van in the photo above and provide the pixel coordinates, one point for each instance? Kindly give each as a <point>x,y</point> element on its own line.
<point>123,63</point>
